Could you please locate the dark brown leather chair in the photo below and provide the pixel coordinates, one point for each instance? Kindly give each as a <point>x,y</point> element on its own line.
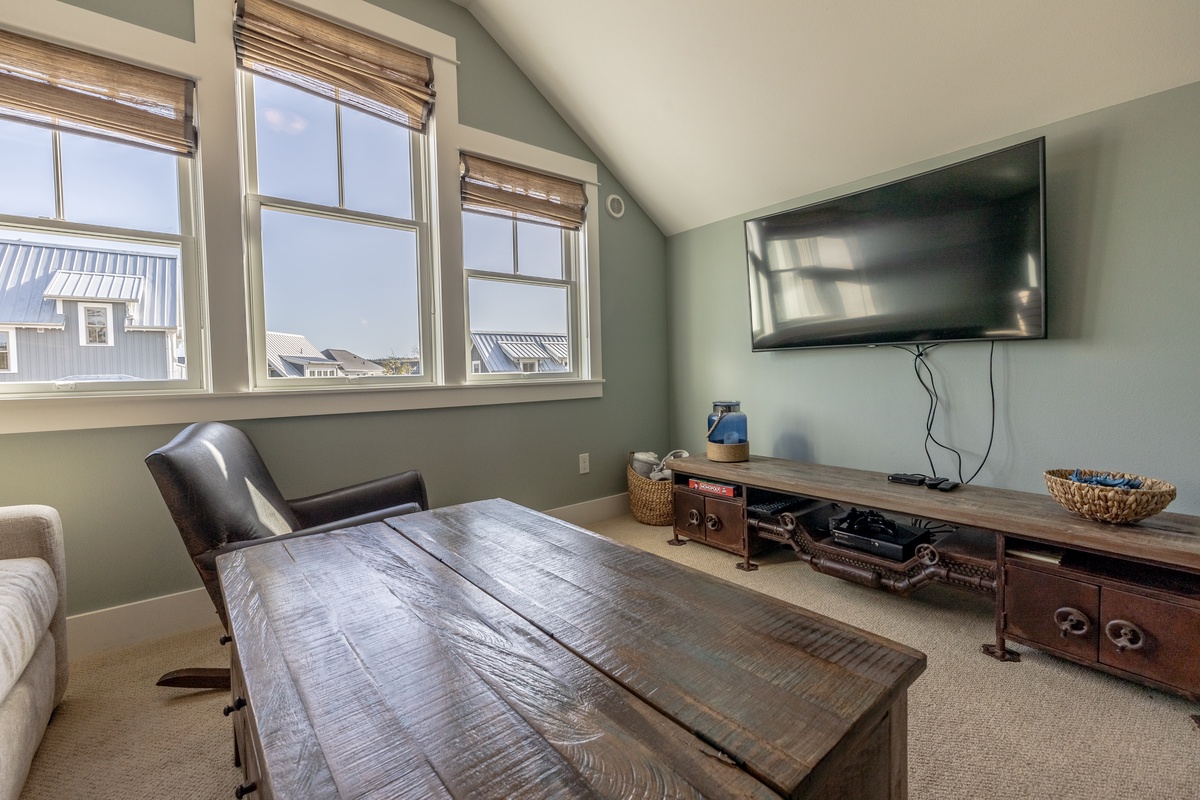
<point>222,498</point>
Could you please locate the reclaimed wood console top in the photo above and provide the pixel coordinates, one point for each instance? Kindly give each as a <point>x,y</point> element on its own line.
<point>488,650</point>
<point>1165,538</point>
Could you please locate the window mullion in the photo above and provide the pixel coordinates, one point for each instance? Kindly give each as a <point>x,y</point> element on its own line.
<point>341,167</point>
<point>59,194</point>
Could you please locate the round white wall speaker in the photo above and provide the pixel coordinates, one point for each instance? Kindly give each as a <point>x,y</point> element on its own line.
<point>615,206</point>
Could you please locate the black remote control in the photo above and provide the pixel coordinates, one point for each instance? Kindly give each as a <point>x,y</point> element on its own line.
<point>948,486</point>
<point>907,478</point>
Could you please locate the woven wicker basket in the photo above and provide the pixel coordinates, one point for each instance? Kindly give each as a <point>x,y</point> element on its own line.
<point>1108,503</point>
<point>650,501</point>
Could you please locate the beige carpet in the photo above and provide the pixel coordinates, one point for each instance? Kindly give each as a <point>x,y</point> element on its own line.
<point>1043,729</point>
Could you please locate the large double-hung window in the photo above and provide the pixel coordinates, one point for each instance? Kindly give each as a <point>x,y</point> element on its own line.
<point>99,282</point>
<point>338,208</point>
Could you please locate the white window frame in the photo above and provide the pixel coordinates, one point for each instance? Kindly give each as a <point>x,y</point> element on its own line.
<point>581,260</point>
<point>109,336</point>
<point>10,348</point>
<point>220,381</point>
<point>255,203</point>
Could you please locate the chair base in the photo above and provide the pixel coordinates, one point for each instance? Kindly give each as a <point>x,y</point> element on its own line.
<point>196,678</point>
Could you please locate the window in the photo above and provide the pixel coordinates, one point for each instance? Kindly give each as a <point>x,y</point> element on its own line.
<point>338,200</point>
<point>8,355</point>
<point>95,214</point>
<point>95,325</point>
<point>523,256</point>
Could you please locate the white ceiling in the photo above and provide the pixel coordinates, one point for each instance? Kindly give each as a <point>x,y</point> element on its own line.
<point>706,109</point>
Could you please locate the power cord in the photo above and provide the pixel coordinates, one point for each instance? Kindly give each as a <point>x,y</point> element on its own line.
<point>922,370</point>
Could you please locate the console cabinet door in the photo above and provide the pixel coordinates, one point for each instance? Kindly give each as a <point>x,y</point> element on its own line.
<point>1055,612</point>
<point>689,514</point>
<point>723,524</point>
<point>1151,638</point>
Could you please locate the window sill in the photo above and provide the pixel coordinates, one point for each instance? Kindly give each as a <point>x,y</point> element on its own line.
<point>38,414</point>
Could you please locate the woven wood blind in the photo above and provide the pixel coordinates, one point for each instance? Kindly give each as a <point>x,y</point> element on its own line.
<point>321,57</point>
<point>490,187</point>
<point>72,90</point>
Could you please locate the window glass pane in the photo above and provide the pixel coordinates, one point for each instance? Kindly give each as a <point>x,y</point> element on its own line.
<point>517,327</point>
<point>26,170</point>
<point>342,286</point>
<point>296,144</point>
<point>539,250</point>
<point>376,165</point>
<point>487,243</point>
<point>139,322</point>
<point>111,184</point>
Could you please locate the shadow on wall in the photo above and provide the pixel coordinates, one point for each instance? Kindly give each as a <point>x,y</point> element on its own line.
<point>794,447</point>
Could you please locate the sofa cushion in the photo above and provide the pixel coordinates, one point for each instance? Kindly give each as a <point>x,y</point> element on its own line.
<point>28,596</point>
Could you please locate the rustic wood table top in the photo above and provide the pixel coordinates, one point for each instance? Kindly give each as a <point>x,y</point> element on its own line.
<point>487,650</point>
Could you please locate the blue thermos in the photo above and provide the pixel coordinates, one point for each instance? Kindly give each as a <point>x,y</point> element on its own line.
<point>728,439</point>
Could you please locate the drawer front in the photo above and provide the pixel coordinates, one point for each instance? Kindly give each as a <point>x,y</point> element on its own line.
<point>1055,612</point>
<point>689,514</point>
<point>725,524</point>
<point>1152,638</point>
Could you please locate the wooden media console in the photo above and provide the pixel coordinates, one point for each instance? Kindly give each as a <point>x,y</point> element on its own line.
<point>1124,599</point>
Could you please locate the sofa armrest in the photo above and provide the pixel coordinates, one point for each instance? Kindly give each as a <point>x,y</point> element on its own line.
<point>36,531</point>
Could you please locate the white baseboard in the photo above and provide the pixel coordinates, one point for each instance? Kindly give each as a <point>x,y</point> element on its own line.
<point>110,628</point>
<point>587,512</point>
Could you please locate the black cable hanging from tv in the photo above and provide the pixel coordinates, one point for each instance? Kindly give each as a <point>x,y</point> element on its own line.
<point>919,364</point>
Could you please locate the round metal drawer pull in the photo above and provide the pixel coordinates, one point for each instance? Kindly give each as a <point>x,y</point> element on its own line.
<point>238,704</point>
<point>244,789</point>
<point>1125,635</point>
<point>1072,621</point>
<point>693,517</point>
<point>713,522</point>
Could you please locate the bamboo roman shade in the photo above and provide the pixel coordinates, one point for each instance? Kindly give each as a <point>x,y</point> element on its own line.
<point>490,187</point>
<point>72,90</point>
<point>346,66</point>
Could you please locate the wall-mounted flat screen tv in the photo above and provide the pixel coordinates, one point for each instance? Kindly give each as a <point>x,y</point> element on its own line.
<point>954,254</point>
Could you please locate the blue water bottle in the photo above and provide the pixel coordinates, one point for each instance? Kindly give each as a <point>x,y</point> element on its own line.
<point>728,439</point>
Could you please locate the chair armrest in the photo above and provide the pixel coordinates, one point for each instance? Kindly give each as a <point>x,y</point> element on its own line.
<point>209,559</point>
<point>371,498</point>
<point>36,531</point>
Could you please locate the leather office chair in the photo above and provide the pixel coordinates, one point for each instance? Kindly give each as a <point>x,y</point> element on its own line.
<point>222,498</point>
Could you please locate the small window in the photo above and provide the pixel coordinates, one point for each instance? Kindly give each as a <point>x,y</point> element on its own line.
<point>8,356</point>
<point>529,366</point>
<point>95,325</point>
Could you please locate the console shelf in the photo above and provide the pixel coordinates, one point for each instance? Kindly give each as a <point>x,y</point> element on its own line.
<point>1124,599</point>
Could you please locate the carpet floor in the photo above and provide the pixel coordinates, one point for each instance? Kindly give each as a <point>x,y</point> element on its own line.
<point>1040,729</point>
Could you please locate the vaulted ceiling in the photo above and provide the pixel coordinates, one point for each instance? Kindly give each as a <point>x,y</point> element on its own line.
<point>705,109</point>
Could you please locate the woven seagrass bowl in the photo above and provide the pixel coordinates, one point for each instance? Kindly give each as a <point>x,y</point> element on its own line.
<point>1109,503</point>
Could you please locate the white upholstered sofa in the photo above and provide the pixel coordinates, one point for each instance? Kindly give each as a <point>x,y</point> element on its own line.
<point>33,637</point>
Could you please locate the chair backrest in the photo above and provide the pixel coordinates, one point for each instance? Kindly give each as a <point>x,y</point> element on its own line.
<point>218,490</point>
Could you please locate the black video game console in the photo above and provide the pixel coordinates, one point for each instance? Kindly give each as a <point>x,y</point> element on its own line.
<point>872,532</point>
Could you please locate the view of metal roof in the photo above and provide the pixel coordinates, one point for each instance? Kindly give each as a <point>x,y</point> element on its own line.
<point>491,348</point>
<point>70,285</point>
<point>28,273</point>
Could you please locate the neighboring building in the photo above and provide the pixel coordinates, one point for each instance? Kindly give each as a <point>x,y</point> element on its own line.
<point>354,365</point>
<point>290,355</point>
<point>519,352</point>
<point>87,314</point>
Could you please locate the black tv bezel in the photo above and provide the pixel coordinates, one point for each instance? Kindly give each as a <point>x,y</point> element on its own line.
<point>1044,334</point>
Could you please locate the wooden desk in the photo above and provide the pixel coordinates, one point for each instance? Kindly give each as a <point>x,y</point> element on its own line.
<point>487,650</point>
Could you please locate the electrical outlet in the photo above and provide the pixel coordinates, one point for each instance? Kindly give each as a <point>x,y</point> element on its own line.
<point>585,465</point>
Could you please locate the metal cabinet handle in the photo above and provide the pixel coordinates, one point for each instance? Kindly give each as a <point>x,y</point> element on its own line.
<point>1072,621</point>
<point>238,704</point>
<point>244,789</point>
<point>693,517</point>
<point>713,522</point>
<point>1125,635</point>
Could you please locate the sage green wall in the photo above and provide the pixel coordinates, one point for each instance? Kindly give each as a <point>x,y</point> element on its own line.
<point>121,544</point>
<point>172,17</point>
<point>1116,386</point>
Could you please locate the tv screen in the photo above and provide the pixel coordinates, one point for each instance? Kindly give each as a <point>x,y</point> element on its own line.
<point>954,254</point>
